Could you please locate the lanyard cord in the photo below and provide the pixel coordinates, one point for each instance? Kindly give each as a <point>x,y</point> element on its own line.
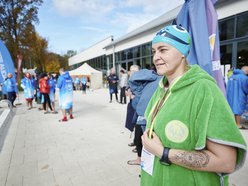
<point>159,105</point>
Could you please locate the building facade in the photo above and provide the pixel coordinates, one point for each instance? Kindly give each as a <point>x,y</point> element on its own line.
<point>135,47</point>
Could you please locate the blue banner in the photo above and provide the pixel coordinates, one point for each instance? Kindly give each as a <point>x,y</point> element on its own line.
<point>200,19</point>
<point>6,63</point>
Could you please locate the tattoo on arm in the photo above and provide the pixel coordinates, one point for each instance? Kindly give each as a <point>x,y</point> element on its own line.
<point>191,159</point>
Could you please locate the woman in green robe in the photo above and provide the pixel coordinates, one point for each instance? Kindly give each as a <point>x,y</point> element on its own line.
<point>191,137</point>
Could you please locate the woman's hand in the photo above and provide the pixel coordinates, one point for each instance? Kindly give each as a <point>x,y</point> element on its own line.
<point>153,145</point>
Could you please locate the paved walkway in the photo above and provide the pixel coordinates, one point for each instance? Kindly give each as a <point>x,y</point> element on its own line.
<point>90,150</point>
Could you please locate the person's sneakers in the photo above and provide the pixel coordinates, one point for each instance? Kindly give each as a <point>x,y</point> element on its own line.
<point>63,120</point>
<point>46,112</point>
<point>110,101</point>
<point>71,116</point>
<point>55,112</point>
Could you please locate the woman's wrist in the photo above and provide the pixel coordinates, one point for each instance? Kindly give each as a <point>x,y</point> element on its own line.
<point>165,156</point>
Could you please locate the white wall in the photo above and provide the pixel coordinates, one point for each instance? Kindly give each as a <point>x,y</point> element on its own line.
<point>234,7</point>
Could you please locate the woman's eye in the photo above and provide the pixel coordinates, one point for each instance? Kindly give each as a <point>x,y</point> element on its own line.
<point>163,50</point>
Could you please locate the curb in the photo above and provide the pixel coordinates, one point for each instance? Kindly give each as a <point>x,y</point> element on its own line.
<point>5,120</point>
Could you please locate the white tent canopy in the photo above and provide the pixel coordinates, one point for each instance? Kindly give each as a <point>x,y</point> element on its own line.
<point>87,70</point>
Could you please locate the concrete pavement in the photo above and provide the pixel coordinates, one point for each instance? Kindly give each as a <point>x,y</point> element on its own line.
<point>90,150</point>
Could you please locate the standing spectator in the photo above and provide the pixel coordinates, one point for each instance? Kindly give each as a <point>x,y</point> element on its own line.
<point>10,88</point>
<point>113,81</point>
<point>77,83</point>
<point>84,84</point>
<point>237,90</point>
<point>142,84</point>
<point>123,85</point>
<point>44,90</point>
<point>191,136</point>
<point>131,116</point>
<point>65,94</point>
<point>28,85</point>
<point>52,85</point>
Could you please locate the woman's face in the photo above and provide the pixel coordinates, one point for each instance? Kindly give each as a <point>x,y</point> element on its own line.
<point>166,59</point>
<point>28,75</point>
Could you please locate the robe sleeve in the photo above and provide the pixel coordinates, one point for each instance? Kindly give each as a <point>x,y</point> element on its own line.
<point>215,121</point>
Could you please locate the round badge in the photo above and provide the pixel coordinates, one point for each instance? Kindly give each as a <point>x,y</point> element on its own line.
<point>176,131</point>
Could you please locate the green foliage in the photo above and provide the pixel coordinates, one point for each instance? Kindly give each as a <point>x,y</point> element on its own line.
<point>17,19</point>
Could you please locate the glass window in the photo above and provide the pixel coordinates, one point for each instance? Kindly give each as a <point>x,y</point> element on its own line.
<point>146,62</point>
<point>136,52</point>
<point>242,26</point>
<point>123,55</point>
<point>130,54</point>
<point>138,62</point>
<point>146,49</point>
<point>226,54</point>
<point>123,65</point>
<point>226,29</point>
<point>242,54</point>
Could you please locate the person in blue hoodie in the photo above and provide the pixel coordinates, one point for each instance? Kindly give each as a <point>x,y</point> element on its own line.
<point>10,88</point>
<point>28,85</point>
<point>65,85</point>
<point>237,90</point>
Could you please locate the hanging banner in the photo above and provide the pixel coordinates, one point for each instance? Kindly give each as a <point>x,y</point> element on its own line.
<point>6,63</point>
<point>201,21</point>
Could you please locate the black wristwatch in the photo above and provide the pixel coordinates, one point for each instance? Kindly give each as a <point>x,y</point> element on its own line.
<point>165,157</point>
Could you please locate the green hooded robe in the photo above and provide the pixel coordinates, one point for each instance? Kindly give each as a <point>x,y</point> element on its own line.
<point>195,111</point>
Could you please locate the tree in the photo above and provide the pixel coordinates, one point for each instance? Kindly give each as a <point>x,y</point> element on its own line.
<point>17,18</point>
<point>64,59</point>
<point>52,63</point>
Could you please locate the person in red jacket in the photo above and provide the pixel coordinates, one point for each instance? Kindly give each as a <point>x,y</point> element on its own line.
<point>44,90</point>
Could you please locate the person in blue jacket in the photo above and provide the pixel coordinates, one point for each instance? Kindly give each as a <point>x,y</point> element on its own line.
<point>142,84</point>
<point>11,88</point>
<point>65,85</point>
<point>28,85</point>
<point>237,90</point>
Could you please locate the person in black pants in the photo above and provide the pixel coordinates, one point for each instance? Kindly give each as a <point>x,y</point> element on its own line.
<point>123,85</point>
<point>113,81</point>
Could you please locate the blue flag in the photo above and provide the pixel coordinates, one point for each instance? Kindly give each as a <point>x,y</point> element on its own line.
<point>200,19</point>
<point>6,64</point>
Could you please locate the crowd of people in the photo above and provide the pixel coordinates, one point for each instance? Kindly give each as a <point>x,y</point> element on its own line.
<point>41,88</point>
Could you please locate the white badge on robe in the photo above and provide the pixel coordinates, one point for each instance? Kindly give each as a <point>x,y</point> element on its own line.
<point>147,161</point>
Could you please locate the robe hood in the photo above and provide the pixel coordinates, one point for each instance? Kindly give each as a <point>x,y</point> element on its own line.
<point>193,75</point>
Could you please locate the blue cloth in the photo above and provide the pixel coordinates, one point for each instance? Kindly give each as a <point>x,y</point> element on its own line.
<point>52,84</point>
<point>237,90</point>
<point>10,85</point>
<point>65,85</point>
<point>77,81</point>
<point>7,66</point>
<point>201,20</point>
<point>84,81</point>
<point>28,86</point>
<point>143,84</point>
<point>113,80</point>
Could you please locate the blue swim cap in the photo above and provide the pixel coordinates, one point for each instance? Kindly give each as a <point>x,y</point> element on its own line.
<point>175,36</point>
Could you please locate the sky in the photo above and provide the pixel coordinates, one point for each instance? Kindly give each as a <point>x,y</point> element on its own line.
<point>79,24</point>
